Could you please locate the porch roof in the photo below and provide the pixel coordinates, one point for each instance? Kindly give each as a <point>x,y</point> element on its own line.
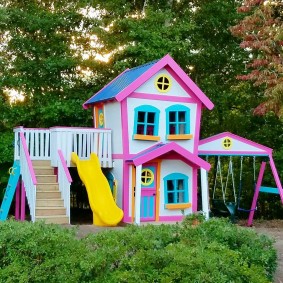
<point>169,150</point>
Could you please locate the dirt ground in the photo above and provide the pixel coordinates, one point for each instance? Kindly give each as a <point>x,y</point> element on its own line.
<point>272,228</point>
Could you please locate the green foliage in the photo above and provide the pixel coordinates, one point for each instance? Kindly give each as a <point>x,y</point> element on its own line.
<point>214,251</point>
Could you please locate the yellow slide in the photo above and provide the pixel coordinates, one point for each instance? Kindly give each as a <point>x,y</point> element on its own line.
<point>105,211</point>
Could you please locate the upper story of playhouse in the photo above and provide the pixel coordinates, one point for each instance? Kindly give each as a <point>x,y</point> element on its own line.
<point>152,103</point>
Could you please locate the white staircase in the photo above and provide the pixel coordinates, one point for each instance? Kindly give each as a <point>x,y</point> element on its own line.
<point>49,202</point>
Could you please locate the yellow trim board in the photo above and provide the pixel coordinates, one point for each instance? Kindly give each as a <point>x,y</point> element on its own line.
<point>146,137</point>
<point>178,205</point>
<point>180,137</point>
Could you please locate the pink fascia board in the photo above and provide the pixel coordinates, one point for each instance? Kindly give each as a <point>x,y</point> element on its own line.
<point>193,159</point>
<point>266,149</point>
<point>141,95</point>
<point>186,86</point>
<point>86,107</point>
<point>190,83</point>
<point>166,60</point>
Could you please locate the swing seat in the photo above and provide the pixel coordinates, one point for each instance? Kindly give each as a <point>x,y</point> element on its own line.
<point>220,208</point>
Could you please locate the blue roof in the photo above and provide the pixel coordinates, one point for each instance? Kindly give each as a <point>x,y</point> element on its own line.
<point>120,83</point>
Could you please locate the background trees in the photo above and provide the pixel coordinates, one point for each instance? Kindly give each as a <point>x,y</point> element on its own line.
<point>261,32</point>
<point>57,53</point>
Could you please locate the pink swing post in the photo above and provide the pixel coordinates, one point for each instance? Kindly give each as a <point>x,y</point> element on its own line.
<point>258,185</point>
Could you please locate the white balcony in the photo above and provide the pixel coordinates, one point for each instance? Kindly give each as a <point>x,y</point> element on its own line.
<point>43,144</point>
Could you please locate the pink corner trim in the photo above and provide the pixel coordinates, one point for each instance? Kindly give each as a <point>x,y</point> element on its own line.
<point>24,143</point>
<point>197,128</point>
<point>126,190</point>
<point>194,191</point>
<point>125,129</point>
<point>66,170</point>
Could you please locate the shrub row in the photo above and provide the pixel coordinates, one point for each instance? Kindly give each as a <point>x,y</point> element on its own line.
<point>214,251</point>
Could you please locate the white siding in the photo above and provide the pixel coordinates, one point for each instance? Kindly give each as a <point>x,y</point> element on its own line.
<point>118,174</point>
<point>139,145</point>
<point>169,167</point>
<point>149,86</point>
<point>112,116</point>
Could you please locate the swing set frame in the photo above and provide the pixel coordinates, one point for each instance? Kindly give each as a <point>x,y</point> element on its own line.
<point>228,144</point>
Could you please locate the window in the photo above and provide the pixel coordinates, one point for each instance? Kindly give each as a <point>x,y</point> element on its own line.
<point>178,122</point>
<point>176,190</point>
<point>227,143</point>
<point>146,123</point>
<point>163,83</point>
<point>147,177</point>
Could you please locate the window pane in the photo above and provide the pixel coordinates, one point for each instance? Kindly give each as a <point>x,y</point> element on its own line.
<point>150,130</point>
<point>180,197</point>
<point>172,116</point>
<point>182,116</point>
<point>180,185</point>
<point>141,116</point>
<point>170,185</point>
<point>171,198</point>
<point>150,117</point>
<point>140,129</point>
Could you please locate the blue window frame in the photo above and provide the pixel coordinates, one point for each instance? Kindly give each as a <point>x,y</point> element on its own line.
<point>176,188</point>
<point>178,120</point>
<point>146,121</point>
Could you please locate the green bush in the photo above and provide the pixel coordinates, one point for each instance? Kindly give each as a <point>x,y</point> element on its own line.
<point>213,251</point>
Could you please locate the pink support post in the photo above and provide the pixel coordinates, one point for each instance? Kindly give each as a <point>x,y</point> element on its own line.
<point>23,203</point>
<point>276,178</point>
<point>17,200</point>
<point>258,184</point>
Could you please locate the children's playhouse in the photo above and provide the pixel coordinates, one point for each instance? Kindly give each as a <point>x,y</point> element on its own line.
<point>147,132</point>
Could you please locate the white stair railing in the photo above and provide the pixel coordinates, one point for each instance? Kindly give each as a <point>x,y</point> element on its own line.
<point>28,175</point>
<point>64,180</point>
<point>37,141</point>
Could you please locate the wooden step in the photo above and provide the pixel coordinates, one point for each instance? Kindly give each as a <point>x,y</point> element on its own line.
<point>44,170</point>
<point>54,187</point>
<point>48,195</point>
<point>41,163</point>
<point>46,178</point>
<point>49,202</point>
<point>50,211</point>
<point>56,219</point>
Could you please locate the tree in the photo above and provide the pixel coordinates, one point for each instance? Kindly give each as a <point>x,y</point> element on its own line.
<point>261,32</point>
<point>42,47</point>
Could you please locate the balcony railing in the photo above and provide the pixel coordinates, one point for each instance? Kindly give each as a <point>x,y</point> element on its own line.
<point>43,144</point>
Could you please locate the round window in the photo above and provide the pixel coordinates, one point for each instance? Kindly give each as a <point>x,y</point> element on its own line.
<point>227,143</point>
<point>163,83</point>
<point>147,177</point>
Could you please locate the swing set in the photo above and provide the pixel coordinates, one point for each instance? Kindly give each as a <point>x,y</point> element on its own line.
<point>230,201</point>
<point>224,205</point>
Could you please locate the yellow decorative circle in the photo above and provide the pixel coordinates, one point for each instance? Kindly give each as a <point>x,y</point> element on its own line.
<point>147,177</point>
<point>101,119</point>
<point>163,83</point>
<point>227,143</point>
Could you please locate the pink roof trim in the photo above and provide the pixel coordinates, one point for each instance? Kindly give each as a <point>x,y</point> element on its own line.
<point>166,60</point>
<point>244,140</point>
<point>172,146</point>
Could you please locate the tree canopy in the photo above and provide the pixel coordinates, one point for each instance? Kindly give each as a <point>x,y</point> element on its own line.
<point>261,32</point>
